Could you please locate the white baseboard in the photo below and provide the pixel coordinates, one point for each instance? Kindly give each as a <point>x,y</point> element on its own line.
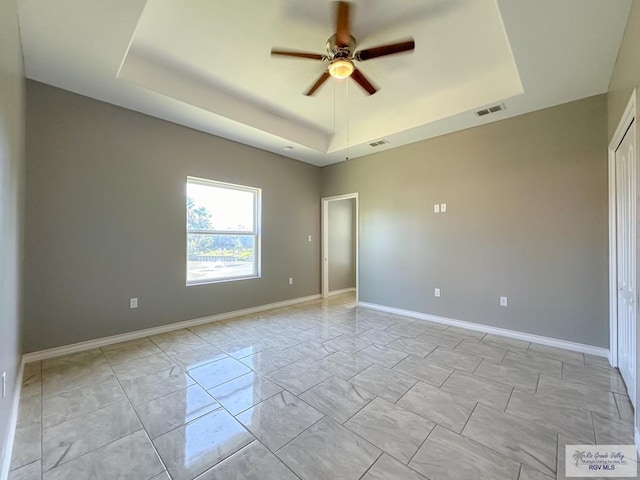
<point>101,342</point>
<point>613,360</point>
<point>340,292</point>
<point>13,422</point>
<point>528,337</point>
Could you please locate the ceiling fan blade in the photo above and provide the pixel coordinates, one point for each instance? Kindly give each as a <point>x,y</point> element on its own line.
<point>319,82</point>
<point>382,50</point>
<point>292,53</point>
<point>363,82</point>
<point>343,34</point>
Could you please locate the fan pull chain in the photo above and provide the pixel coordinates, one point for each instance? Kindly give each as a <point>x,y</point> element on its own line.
<point>347,110</point>
<point>334,107</point>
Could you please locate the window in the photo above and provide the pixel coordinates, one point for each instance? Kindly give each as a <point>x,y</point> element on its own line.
<point>223,231</point>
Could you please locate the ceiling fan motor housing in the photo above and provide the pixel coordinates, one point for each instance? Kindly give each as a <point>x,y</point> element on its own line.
<point>335,51</point>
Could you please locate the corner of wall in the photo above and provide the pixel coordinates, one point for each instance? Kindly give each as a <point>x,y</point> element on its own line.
<point>12,158</point>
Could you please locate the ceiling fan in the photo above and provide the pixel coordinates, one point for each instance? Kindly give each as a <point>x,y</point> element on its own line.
<point>341,53</point>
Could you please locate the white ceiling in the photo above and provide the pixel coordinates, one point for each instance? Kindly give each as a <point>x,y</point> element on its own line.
<point>206,64</point>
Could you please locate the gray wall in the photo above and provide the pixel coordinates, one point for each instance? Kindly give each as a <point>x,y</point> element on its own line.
<point>342,244</point>
<point>626,74</point>
<point>11,183</point>
<point>527,219</point>
<point>105,220</point>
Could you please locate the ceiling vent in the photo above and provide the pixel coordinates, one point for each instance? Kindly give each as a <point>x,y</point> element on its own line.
<point>488,110</point>
<point>379,142</point>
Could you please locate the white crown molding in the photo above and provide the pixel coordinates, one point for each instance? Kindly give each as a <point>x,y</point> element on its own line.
<point>503,332</point>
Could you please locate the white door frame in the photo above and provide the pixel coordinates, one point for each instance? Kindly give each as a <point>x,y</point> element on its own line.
<point>628,117</point>
<point>325,241</point>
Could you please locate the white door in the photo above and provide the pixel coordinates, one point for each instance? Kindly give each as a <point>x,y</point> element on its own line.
<point>626,253</point>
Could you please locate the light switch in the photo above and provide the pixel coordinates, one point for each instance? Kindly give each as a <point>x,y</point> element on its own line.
<point>436,208</point>
<point>133,303</point>
<point>309,238</point>
<point>503,301</point>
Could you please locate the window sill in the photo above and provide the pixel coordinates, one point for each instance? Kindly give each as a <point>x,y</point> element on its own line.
<point>221,280</point>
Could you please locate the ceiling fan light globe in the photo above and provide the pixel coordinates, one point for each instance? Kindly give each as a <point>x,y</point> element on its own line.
<point>341,68</point>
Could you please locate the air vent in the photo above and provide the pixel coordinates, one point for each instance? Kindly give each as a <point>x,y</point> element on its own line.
<point>379,142</point>
<point>488,110</point>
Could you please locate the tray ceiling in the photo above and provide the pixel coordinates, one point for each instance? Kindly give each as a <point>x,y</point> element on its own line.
<point>207,65</point>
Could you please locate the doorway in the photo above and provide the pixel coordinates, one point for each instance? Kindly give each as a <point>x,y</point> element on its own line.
<point>623,247</point>
<point>340,244</point>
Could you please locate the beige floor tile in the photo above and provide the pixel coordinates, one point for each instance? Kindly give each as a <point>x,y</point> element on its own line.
<point>516,438</point>
<point>520,378</point>
<point>388,468</point>
<point>446,456</point>
<point>32,471</point>
<point>546,412</point>
<point>512,344</point>
<point>198,446</point>
<point>163,414</point>
<point>534,362</point>
<point>63,442</point>
<point>488,392</point>
<point>329,450</point>
<point>438,406</point>
<point>75,403</point>
<point>142,367</point>
<point>131,350</point>
<point>147,388</point>
<point>218,372</point>
<point>130,458</point>
<point>344,365</point>
<point>253,462</point>
<point>384,382</point>
<point>27,444</point>
<point>454,359</point>
<point>337,398</point>
<point>572,395</point>
<point>560,354</point>
<point>493,353</point>
<point>424,370</point>
<point>320,390</point>
<point>299,376</point>
<point>391,428</point>
<point>385,357</point>
<point>279,419</point>
<point>244,392</point>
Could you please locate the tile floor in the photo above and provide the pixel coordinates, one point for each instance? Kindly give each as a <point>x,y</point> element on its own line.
<point>321,390</point>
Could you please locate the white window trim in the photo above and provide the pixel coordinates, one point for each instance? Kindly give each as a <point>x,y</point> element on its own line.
<point>256,232</point>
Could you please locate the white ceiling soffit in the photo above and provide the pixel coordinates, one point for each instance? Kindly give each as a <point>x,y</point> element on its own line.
<point>207,65</point>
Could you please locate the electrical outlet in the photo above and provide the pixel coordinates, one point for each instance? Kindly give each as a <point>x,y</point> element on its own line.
<point>309,238</point>
<point>436,292</point>
<point>436,208</point>
<point>290,280</point>
<point>443,208</point>
<point>4,384</point>
<point>503,301</point>
<point>133,303</point>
